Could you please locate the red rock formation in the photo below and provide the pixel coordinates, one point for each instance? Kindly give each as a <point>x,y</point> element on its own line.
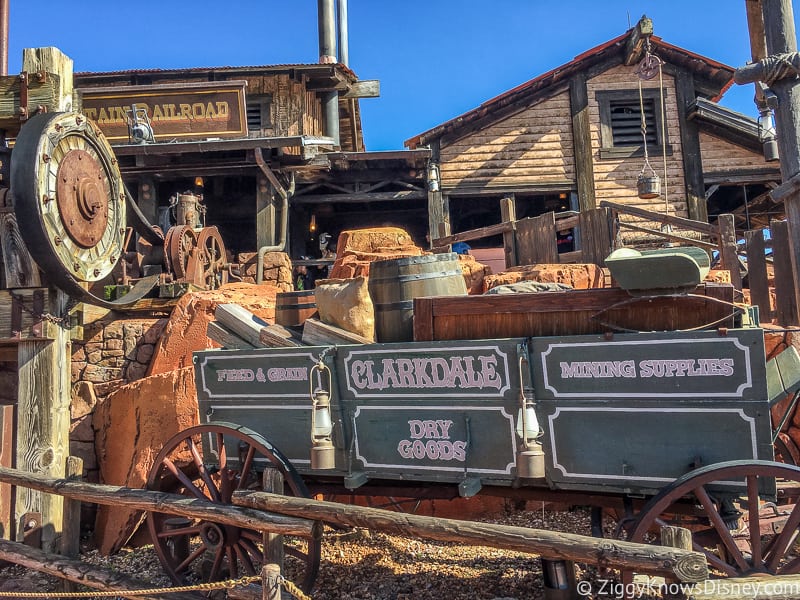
<point>474,273</point>
<point>357,248</point>
<point>579,276</point>
<point>186,330</point>
<point>130,428</point>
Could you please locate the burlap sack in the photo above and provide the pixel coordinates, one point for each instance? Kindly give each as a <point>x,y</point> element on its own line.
<point>345,303</point>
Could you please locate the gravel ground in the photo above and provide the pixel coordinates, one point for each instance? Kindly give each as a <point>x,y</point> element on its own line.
<point>359,565</point>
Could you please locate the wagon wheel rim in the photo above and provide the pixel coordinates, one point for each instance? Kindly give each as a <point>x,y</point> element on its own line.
<point>214,257</point>
<point>746,539</point>
<point>217,551</point>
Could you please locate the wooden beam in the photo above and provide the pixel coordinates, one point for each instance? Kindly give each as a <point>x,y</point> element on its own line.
<point>508,214</point>
<point>636,44</point>
<point>360,197</point>
<point>690,224</point>
<point>686,565</point>
<point>582,142</point>
<point>473,234</point>
<point>364,88</point>
<point>694,186</point>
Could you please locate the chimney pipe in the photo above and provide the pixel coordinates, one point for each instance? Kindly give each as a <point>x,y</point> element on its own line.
<point>327,55</point>
<point>344,53</point>
<point>327,32</point>
<point>4,36</point>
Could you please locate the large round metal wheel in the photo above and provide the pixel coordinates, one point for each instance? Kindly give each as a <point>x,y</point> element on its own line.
<point>747,529</point>
<point>211,462</point>
<point>214,257</point>
<point>68,197</point>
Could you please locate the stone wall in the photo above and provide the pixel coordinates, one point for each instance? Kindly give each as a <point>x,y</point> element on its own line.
<point>114,351</point>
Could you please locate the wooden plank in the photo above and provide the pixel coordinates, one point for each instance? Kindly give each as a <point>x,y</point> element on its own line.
<point>317,333</point>
<point>536,240</point>
<point>364,88</point>
<point>595,235</point>
<point>241,322</point>
<point>508,214</point>
<point>7,431</point>
<point>226,338</point>
<point>20,269</point>
<point>757,279</point>
<point>473,234</point>
<point>51,60</point>
<point>690,143</point>
<point>277,336</point>
<point>582,142</point>
<point>686,565</point>
<point>43,420</point>
<point>423,321</point>
<point>785,295</point>
<point>662,218</point>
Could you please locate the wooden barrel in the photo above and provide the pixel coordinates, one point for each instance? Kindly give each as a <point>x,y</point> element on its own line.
<point>393,285</point>
<point>293,308</point>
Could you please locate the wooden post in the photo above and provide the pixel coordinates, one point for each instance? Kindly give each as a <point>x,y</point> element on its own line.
<point>757,273</point>
<point>43,417</point>
<point>508,214</point>
<point>270,582</point>
<point>71,536</point>
<point>265,213</point>
<point>779,30</point>
<point>582,142</point>
<point>676,537</point>
<point>273,542</point>
<point>727,249</point>
<point>785,291</point>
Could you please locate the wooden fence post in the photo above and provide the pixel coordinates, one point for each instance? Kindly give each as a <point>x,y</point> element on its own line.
<point>757,273</point>
<point>508,214</point>
<point>785,298</point>
<point>71,533</point>
<point>271,582</point>
<point>273,542</point>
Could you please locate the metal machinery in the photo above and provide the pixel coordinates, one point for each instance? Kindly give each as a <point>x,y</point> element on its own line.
<point>74,214</point>
<point>661,427</point>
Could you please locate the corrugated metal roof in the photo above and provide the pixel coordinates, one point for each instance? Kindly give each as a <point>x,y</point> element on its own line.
<point>279,67</point>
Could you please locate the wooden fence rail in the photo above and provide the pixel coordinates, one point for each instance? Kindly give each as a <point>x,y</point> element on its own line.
<point>250,511</point>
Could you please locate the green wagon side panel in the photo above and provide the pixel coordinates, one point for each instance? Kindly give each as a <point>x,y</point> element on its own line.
<point>634,412</point>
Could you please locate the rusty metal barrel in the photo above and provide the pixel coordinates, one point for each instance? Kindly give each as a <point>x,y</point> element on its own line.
<point>293,308</point>
<point>394,283</point>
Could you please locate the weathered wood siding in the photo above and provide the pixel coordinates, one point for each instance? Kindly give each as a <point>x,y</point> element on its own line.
<point>615,178</point>
<point>722,156</point>
<point>533,146</point>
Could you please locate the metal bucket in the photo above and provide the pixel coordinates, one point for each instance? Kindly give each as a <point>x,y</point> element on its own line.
<point>649,186</point>
<point>393,285</point>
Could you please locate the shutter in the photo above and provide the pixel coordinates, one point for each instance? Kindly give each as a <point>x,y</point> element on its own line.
<point>626,122</point>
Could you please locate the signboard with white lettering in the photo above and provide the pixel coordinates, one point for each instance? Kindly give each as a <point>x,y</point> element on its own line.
<point>183,111</point>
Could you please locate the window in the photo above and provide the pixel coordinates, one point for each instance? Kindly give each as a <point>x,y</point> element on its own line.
<point>621,123</point>
<point>258,114</point>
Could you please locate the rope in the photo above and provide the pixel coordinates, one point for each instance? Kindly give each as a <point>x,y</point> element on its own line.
<point>202,587</point>
<point>780,66</point>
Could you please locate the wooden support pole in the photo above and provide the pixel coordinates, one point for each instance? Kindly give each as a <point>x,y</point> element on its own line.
<point>757,279</point>
<point>685,565</point>
<point>508,214</point>
<point>79,572</point>
<point>172,504</point>
<point>727,249</point>
<point>71,536</point>
<point>271,582</point>
<point>786,303</point>
<point>273,542</point>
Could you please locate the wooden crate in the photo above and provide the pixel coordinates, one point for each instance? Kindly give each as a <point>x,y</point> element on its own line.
<point>573,312</point>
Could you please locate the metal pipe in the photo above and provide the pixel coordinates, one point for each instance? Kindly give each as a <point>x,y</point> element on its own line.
<point>284,216</point>
<point>327,32</point>
<point>4,17</point>
<point>344,52</point>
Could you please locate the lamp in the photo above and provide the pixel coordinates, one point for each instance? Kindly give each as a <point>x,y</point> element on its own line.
<point>322,449</point>
<point>766,133</point>
<point>433,177</point>
<point>312,226</point>
<point>530,459</point>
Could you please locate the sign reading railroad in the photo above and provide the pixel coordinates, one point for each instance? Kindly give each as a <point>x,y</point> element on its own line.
<point>176,112</point>
<point>656,365</point>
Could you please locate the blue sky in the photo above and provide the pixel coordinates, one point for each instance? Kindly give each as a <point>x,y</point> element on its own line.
<point>435,59</point>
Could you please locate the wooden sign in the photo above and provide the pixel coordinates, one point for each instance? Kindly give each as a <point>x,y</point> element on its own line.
<point>184,111</point>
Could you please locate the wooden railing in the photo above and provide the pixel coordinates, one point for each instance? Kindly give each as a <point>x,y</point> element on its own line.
<point>599,232</point>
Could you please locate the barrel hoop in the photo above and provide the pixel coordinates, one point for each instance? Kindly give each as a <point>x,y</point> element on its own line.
<point>404,305</point>
<point>421,276</point>
<point>295,306</point>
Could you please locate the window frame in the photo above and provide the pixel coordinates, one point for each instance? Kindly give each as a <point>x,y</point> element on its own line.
<point>264,103</point>
<point>607,148</point>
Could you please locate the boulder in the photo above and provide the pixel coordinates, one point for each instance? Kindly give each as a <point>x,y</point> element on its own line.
<point>357,248</point>
<point>474,273</point>
<point>580,276</point>
<point>185,331</point>
<point>131,426</point>
<point>277,269</point>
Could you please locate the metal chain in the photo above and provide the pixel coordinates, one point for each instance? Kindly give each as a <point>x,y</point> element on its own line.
<point>293,589</point>
<point>204,587</point>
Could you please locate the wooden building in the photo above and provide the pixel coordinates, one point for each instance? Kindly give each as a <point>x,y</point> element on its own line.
<point>571,138</point>
<point>281,160</point>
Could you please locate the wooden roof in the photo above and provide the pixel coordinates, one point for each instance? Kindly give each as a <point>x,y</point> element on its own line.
<point>712,79</point>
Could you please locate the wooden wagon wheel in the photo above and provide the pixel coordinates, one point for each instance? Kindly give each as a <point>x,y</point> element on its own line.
<point>194,551</point>
<point>741,533</point>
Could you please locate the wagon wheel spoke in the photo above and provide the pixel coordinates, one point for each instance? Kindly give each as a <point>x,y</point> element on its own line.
<point>188,484</point>
<point>721,528</point>
<point>230,457</point>
<point>768,553</point>
<point>780,543</point>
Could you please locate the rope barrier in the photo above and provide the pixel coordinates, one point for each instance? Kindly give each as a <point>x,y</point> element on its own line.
<point>199,587</point>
